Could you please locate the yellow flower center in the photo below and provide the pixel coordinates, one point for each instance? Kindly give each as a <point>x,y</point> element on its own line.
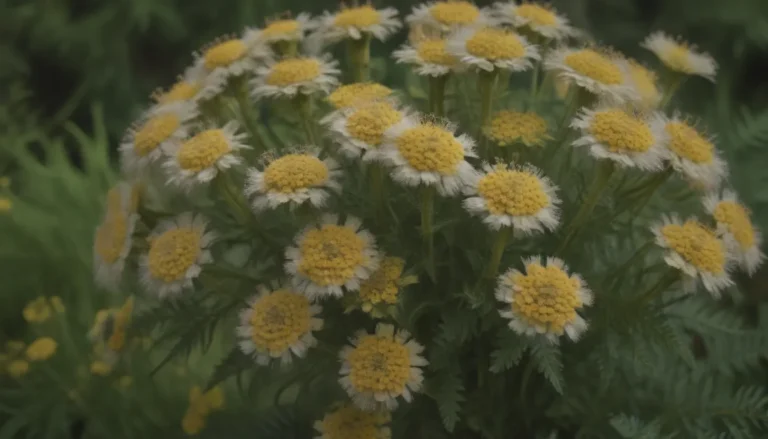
<point>455,13</point>
<point>621,132</point>
<point>430,148</point>
<point>383,285</point>
<point>359,17</point>
<point>111,237</point>
<point>17,368</point>
<point>292,172</point>
<point>379,364</point>
<point>736,218</point>
<point>686,142</point>
<point>173,253</point>
<point>224,54</point>
<point>280,28</point>
<point>331,254</point>
<point>203,150</point>
<point>41,349</point>
<point>508,127</point>
<point>433,52</point>
<point>349,422</point>
<point>279,320</point>
<point>645,83</point>
<point>369,123</point>
<point>512,192</point>
<point>352,94</point>
<point>546,297</point>
<point>293,71</point>
<point>5,204</point>
<point>697,245</point>
<point>536,14</point>
<point>677,57</point>
<point>37,311</point>
<point>154,132</point>
<point>594,65</point>
<point>181,91</point>
<point>122,318</point>
<point>493,44</point>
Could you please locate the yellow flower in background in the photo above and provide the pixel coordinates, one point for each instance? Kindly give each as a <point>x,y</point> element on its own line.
<point>37,311</point>
<point>289,77</point>
<point>5,204</point>
<point>693,154</point>
<point>681,57</point>
<point>122,319</point>
<point>147,141</point>
<point>350,95</point>
<point>645,83</point>
<point>535,18</point>
<point>429,55</point>
<point>601,72</point>
<point>383,287</point>
<point>508,127</point>
<point>349,422</point>
<point>200,406</point>
<point>17,368</point>
<point>448,15</point>
<point>359,130</point>
<point>100,368</point>
<point>357,21</point>
<point>41,349</point>
<point>492,48</point>
<point>286,29</point>
<point>734,224</point>
<point>124,382</point>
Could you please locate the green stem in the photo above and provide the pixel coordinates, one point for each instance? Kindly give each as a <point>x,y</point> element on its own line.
<point>502,236</point>
<point>534,85</point>
<point>437,94</point>
<point>286,49</point>
<point>304,107</point>
<point>378,185</point>
<point>233,198</point>
<point>639,254</point>
<point>427,216</point>
<point>249,116</point>
<point>673,84</point>
<point>485,87</point>
<point>600,181</point>
<point>359,57</point>
<point>666,281</point>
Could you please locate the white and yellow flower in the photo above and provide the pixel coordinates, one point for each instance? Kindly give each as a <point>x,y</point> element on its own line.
<point>535,18</point>
<point>544,299</point>
<point>517,197</point>
<point>330,257</point>
<point>358,93</point>
<point>114,236</point>
<point>200,158</point>
<point>226,58</point>
<point>149,139</point>
<point>602,73</point>
<point>381,367</point>
<point>429,56</point>
<point>349,422</point>
<point>278,325</point>
<point>184,92</point>
<point>743,239</point>
<point>680,57</point>
<point>629,138</point>
<point>356,21</point>
<point>448,15</point>
<point>282,30</point>
<point>692,154</point>
<point>490,48</point>
<point>696,251</point>
<point>292,76</point>
<point>508,127</point>
<point>428,153</point>
<point>645,83</point>
<point>178,250</point>
<point>382,289</point>
<point>295,179</point>
<point>359,130</point>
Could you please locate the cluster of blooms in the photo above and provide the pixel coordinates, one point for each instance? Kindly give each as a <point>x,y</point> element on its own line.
<point>17,355</point>
<point>194,140</point>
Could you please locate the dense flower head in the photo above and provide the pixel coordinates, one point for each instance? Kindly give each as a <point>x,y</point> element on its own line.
<point>283,29</point>
<point>150,138</point>
<point>356,21</point>
<point>349,422</point>
<point>693,154</point>
<point>535,18</point>
<point>359,130</point>
<point>599,71</point>
<point>350,95</point>
<point>384,284</point>
<point>492,48</point>
<point>448,15</point>
<point>42,308</point>
<point>41,349</point>
<point>735,226</point>
<point>508,127</point>
<point>645,84</point>
<point>429,56</point>
<point>680,57</point>
<point>226,58</point>
<point>289,77</point>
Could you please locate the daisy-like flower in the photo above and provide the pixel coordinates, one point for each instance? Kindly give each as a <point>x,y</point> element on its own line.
<point>150,137</point>
<point>644,81</point>
<point>354,22</point>
<point>379,368</point>
<point>351,95</point>
<point>178,248</point>
<point>383,287</point>
<point>736,228</point>
<point>534,18</point>
<point>692,154</point>
<point>226,58</point>
<point>600,72</point>
<point>492,48</point>
<point>348,421</point>
<point>41,349</point>
<point>429,56</point>
<point>631,139</point>
<point>696,251</point>
<point>292,76</point>
<point>114,236</point>
<point>295,179</point>
<point>509,127</point>
<point>182,93</point>
<point>681,57</point>
<point>544,299</point>
<point>200,407</point>
<point>330,256</point>
<point>518,197</point>
<point>282,30</point>
<point>41,309</point>
<point>359,130</point>
<point>199,158</point>
<point>278,324</point>
<point>428,153</point>
<point>448,15</point>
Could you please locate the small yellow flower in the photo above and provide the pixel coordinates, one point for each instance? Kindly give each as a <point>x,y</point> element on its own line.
<point>124,382</point>
<point>534,18</point>
<point>226,58</point>
<point>734,224</point>
<point>349,422</point>
<point>122,319</point>
<point>200,406</point>
<point>37,311</point>
<point>383,287</point>
<point>283,30</point>
<point>5,182</point>
<point>354,22</point>
<point>17,368</point>
<point>544,299</point>
<point>57,304</point>
<point>5,204</point>
<point>492,48</point>
<point>112,243</point>
<point>692,154</point>
<point>41,349</point>
<point>351,95</point>
<point>599,71</point>
<point>181,91</point>
<point>100,368</point>
<point>430,56</point>
<point>150,137</point>
<point>680,57</point>
<point>293,76</point>
<point>508,127</point>
<point>359,130</point>
<point>381,367</point>
<point>644,81</point>
<point>447,15</point>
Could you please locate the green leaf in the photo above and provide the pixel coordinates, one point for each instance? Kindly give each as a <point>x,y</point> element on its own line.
<point>233,364</point>
<point>447,390</point>
<point>510,351</point>
<point>546,357</point>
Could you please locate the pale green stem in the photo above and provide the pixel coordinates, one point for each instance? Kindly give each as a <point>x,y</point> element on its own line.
<point>304,107</point>
<point>667,280</point>
<point>359,57</point>
<point>378,185</point>
<point>286,49</point>
<point>673,84</point>
<point>502,236</point>
<point>534,85</point>
<point>249,116</point>
<point>485,87</point>
<point>233,197</point>
<point>427,217</point>
<point>437,94</point>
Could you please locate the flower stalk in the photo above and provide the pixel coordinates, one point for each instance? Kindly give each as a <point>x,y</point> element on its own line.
<point>359,57</point>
